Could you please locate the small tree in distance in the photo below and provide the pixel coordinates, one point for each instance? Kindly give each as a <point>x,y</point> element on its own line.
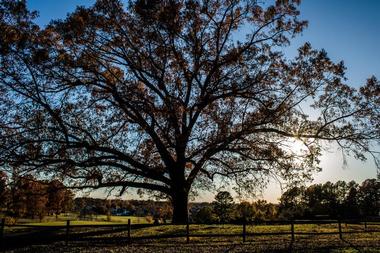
<point>224,206</point>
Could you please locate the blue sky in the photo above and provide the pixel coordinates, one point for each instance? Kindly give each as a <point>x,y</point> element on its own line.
<point>348,30</point>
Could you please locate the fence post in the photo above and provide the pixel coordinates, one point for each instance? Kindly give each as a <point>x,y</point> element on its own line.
<point>340,229</point>
<point>67,232</point>
<point>2,234</point>
<point>187,232</point>
<point>244,230</point>
<point>129,230</point>
<point>292,228</point>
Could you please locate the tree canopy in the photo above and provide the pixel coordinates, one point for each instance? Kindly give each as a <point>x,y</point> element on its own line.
<point>169,95</point>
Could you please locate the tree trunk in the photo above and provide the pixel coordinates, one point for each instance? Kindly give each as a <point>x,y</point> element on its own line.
<point>179,202</point>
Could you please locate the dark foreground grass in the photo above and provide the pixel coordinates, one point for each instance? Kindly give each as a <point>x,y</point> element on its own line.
<point>217,247</point>
<point>109,242</point>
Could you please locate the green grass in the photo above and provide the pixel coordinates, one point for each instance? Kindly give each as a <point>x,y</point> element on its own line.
<point>74,220</point>
<point>237,229</point>
<point>72,223</point>
<point>124,219</point>
<point>99,220</point>
<point>365,242</point>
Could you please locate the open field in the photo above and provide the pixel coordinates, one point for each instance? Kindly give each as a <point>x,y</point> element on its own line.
<point>98,220</point>
<point>218,238</point>
<point>61,220</point>
<point>315,244</point>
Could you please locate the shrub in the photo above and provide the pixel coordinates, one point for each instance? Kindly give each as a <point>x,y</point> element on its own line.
<point>205,215</point>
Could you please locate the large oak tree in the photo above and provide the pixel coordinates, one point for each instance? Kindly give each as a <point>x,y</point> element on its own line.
<point>169,95</point>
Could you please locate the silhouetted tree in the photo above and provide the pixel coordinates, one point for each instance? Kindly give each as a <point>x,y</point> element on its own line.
<point>292,203</point>
<point>369,197</point>
<point>167,95</point>
<point>223,206</point>
<point>68,201</point>
<point>264,211</point>
<point>59,197</point>
<point>245,211</point>
<point>351,203</point>
<point>205,215</point>
<point>339,200</point>
<point>29,197</point>
<point>315,199</point>
<point>4,190</point>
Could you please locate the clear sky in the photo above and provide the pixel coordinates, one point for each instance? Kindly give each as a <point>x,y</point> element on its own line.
<point>348,30</point>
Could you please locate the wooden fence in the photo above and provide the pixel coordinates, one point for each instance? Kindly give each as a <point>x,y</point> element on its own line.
<point>45,234</point>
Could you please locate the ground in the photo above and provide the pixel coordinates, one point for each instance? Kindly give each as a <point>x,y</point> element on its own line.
<point>333,245</point>
<point>229,239</point>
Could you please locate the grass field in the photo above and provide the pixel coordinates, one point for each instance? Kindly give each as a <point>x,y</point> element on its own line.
<point>237,229</point>
<point>327,243</point>
<point>355,242</point>
<point>98,220</point>
<point>94,219</point>
<point>74,220</point>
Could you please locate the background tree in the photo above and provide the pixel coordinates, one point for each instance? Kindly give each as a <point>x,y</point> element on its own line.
<point>264,211</point>
<point>223,206</point>
<point>68,201</point>
<point>29,197</point>
<point>369,198</point>
<point>351,203</point>
<point>292,203</point>
<point>56,197</point>
<point>314,199</point>
<point>18,201</point>
<point>245,211</point>
<point>167,96</point>
<point>339,200</point>
<point>334,197</point>
<point>36,198</point>
<point>271,212</point>
<point>205,215</point>
<point>166,212</point>
<point>4,190</point>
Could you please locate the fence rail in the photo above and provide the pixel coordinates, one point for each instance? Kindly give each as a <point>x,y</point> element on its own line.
<point>67,235</point>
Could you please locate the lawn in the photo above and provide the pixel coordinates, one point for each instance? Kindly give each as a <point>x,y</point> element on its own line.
<point>61,220</point>
<point>98,220</point>
<point>109,240</point>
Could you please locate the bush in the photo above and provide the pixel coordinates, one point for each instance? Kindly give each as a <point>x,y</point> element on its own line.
<point>205,215</point>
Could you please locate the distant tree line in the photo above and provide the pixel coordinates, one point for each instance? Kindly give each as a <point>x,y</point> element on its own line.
<point>339,200</point>
<point>318,201</point>
<point>224,210</point>
<point>158,210</point>
<point>26,196</point>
